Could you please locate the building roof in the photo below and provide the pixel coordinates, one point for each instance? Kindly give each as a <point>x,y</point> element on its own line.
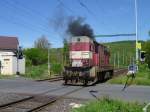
<point>8,43</point>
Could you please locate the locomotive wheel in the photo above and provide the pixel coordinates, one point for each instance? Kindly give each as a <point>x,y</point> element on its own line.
<point>107,75</point>
<point>85,82</point>
<point>111,73</point>
<point>101,76</point>
<point>66,81</point>
<point>95,80</point>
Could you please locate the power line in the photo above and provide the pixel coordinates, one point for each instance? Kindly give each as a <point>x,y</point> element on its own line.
<point>8,5</point>
<point>34,12</point>
<point>115,35</point>
<point>85,7</point>
<point>67,8</point>
<point>88,10</point>
<point>18,24</point>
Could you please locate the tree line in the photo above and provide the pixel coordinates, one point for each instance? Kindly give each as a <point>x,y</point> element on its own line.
<point>38,55</point>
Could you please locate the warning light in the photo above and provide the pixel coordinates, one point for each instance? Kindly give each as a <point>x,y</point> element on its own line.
<point>142,56</point>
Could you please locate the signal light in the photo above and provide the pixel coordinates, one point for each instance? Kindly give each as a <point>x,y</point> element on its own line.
<point>142,56</point>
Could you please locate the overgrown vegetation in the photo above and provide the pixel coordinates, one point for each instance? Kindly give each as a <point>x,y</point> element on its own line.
<point>7,76</point>
<point>37,60</point>
<point>36,72</point>
<point>142,77</point>
<point>122,50</point>
<point>35,56</point>
<point>108,105</point>
<point>146,47</point>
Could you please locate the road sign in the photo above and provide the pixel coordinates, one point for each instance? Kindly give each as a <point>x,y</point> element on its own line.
<point>138,45</point>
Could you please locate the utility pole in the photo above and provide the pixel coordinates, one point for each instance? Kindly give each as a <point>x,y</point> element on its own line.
<point>118,60</point>
<point>48,59</point>
<point>123,57</point>
<point>18,49</point>
<point>133,60</point>
<point>130,59</point>
<point>136,22</point>
<point>114,60</point>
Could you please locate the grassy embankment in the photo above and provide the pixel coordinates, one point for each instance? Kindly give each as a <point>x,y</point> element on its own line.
<point>125,50</point>
<point>32,72</point>
<point>36,72</point>
<point>41,71</point>
<point>142,77</point>
<point>107,105</point>
<point>7,76</point>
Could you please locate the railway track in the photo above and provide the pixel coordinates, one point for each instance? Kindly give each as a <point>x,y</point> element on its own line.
<point>57,78</point>
<point>34,103</point>
<point>57,98</point>
<point>120,71</point>
<point>27,105</point>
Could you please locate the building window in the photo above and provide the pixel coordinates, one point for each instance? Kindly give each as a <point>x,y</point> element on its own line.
<point>6,59</point>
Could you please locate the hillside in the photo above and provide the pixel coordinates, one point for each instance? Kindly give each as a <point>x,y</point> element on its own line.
<point>125,50</point>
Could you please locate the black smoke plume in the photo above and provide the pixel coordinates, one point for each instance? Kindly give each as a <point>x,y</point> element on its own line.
<point>77,27</point>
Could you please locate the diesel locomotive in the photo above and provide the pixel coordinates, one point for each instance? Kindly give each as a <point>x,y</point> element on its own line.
<point>88,62</point>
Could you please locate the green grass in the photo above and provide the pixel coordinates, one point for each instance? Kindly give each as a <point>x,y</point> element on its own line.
<point>41,71</point>
<point>142,77</point>
<point>126,48</point>
<point>7,76</point>
<point>36,72</point>
<point>108,105</point>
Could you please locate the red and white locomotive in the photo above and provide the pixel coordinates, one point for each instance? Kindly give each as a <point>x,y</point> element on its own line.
<point>89,61</point>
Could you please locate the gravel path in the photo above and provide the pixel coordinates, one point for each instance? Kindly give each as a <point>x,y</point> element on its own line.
<point>64,105</point>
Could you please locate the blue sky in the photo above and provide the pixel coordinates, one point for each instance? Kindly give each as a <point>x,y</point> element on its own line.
<point>29,19</point>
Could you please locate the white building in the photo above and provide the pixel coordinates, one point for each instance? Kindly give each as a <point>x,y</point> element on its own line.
<point>9,64</point>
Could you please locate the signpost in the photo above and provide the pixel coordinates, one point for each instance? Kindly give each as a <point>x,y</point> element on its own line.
<point>48,59</point>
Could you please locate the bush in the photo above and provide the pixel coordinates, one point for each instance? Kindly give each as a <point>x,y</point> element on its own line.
<point>56,68</point>
<point>146,48</point>
<point>36,56</point>
<point>36,71</point>
<point>28,62</point>
<point>142,77</point>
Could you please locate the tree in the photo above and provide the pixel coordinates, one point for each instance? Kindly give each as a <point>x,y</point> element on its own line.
<point>41,43</point>
<point>36,56</point>
<point>65,52</point>
<point>146,48</point>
